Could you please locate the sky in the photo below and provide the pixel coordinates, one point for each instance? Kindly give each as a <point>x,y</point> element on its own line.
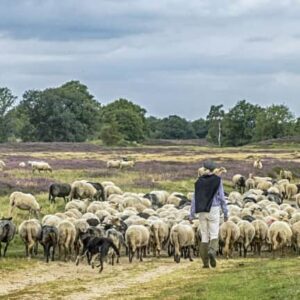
<point>171,57</point>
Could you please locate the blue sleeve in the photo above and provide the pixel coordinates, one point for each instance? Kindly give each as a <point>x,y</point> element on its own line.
<point>222,199</point>
<point>192,213</point>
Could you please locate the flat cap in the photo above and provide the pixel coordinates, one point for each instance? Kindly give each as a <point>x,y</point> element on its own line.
<point>209,164</point>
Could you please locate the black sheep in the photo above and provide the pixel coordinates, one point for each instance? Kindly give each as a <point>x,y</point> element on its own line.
<point>49,237</point>
<point>7,233</point>
<point>59,190</point>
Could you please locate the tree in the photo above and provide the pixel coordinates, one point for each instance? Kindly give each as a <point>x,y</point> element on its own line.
<point>175,127</point>
<point>110,134</point>
<point>239,124</point>
<point>130,119</point>
<point>214,119</point>
<point>7,100</point>
<point>67,113</point>
<point>273,122</point>
<point>200,127</point>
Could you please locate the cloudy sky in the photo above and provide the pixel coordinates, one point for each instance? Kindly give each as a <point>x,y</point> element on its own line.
<point>172,57</point>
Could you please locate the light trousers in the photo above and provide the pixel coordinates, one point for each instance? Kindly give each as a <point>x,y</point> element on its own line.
<point>210,224</point>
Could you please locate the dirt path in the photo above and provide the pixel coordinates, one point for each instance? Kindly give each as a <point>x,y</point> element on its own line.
<point>66,281</point>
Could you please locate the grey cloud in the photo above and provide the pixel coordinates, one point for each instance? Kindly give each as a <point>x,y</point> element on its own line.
<point>169,56</point>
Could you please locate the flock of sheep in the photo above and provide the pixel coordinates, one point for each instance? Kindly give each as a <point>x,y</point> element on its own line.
<point>100,220</point>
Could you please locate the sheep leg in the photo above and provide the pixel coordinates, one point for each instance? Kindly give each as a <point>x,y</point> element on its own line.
<point>36,248</point>
<point>1,250</point>
<point>47,254</point>
<point>26,250</point>
<point>240,249</point>
<point>5,249</point>
<point>59,251</point>
<point>141,252</point>
<point>53,252</point>
<point>101,263</point>
<point>190,253</point>
<point>245,252</point>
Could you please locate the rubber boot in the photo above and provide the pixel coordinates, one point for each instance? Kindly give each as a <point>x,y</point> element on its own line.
<point>204,254</point>
<point>212,252</point>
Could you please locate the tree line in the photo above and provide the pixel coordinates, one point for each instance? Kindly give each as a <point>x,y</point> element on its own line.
<point>70,113</point>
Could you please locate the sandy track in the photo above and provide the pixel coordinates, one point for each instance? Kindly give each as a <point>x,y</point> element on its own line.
<point>37,282</point>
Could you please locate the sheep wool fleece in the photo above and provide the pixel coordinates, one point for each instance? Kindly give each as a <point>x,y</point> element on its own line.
<point>209,224</point>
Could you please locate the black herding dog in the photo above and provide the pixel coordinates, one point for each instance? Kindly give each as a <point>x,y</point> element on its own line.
<point>98,246</point>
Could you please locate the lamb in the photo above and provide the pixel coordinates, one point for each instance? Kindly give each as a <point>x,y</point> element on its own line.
<point>182,237</point>
<point>239,182</point>
<point>66,237</point>
<point>40,166</point>
<point>284,174</point>
<point>279,235</point>
<point>229,234</point>
<point>247,233</point>
<point>59,190</point>
<point>82,190</point>
<point>296,236</point>
<point>202,171</point>
<point>7,233</point>
<point>291,190</point>
<point>113,164</point>
<point>127,164</point>
<point>261,232</point>
<point>137,239</point>
<point>24,202</point>
<point>30,233</point>
<point>258,164</point>
<point>48,240</point>
<point>219,171</point>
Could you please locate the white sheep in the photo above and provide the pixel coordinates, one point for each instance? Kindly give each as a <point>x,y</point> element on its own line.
<point>30,232</point>
<point>291,190</point>
<point>137,239</point>
<point>127,164</point>
<point>261,232</point>
<point>113,164</point>
<point>247,233</point>
<point>24,202</point>
<point>279,235</point>
<point>66,237</point>
<point>296,236</point>
<point>257,164</point>
<point>182,236</point>
<point>82,189</point>
<point>40,166</point>
<point>229,234</point>
<point>22,164</point>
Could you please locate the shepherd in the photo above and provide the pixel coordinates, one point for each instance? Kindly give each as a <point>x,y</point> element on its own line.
<point>207,201</point>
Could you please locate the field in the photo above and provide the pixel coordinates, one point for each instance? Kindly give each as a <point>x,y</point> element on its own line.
<point>171,167</point>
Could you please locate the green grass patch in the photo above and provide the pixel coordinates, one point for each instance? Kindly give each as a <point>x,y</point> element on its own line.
<point>244,279</point>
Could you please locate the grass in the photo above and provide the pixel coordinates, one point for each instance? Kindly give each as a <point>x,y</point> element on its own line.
<point>268,279</point>
<point>171,168</point>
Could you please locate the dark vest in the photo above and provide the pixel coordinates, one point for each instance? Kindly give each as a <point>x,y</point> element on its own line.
<point>206,187</point>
